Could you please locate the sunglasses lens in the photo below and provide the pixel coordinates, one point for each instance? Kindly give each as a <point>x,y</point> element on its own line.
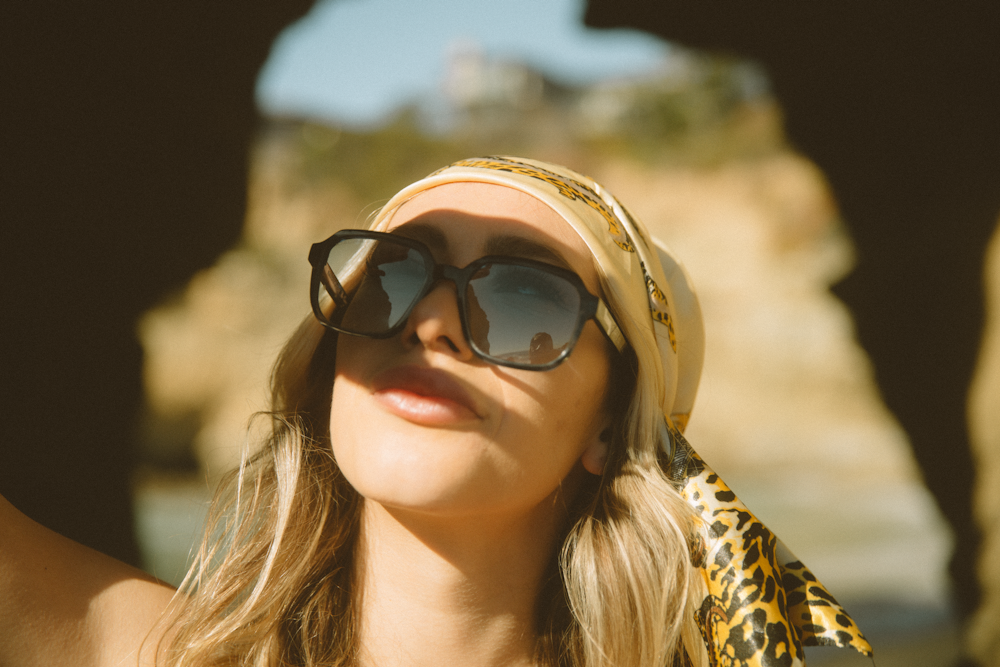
<point>380,281</point>
<point>522,314</point>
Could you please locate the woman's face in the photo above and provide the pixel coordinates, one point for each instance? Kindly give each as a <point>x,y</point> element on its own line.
<point>418,422</point>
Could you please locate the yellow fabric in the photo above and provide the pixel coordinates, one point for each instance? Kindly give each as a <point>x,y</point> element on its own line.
<point>761,605</point>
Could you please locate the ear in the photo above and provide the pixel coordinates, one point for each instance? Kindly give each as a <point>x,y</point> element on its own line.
<point>596,453</point>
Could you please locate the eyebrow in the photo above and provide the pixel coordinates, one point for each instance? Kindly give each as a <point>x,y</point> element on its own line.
<point>430,236</point>
<point>518,246</point>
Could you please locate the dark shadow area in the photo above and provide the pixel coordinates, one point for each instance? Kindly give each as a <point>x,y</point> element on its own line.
<point>896,102</point>
<point>125,131</point>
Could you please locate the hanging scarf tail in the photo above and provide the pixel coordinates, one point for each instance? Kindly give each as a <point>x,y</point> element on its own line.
<point>762,605</point>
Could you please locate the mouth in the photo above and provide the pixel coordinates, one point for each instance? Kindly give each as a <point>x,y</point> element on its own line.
<point>422,395</point>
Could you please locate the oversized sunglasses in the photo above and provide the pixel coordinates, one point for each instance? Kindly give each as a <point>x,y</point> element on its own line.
<point>514,312</point>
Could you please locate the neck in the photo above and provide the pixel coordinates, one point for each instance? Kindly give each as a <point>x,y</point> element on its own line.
<point>451,591</point>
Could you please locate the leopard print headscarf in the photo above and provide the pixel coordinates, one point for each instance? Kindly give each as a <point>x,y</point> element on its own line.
<point>761,605</point>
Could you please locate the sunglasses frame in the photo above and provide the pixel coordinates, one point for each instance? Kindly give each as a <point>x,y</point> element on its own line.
<point>591,306</point>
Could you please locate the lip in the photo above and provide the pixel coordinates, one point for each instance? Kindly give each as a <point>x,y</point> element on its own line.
<point>424,395</point>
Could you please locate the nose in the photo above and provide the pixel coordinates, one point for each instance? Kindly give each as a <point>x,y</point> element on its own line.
<point>435,323</point>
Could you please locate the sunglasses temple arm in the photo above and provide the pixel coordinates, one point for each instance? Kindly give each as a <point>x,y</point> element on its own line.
<point>607,323</point>
<point>333,287</point>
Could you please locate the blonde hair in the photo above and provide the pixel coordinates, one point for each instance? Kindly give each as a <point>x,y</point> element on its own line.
<point>273,582</point>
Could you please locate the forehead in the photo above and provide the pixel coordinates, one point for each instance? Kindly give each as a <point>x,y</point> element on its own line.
<point>484,200</point>
<point>471,215</point>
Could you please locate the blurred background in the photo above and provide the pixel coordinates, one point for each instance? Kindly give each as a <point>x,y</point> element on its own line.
<point>166,169</point>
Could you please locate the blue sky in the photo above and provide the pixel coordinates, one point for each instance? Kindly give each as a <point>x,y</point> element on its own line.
<point>355,61</point>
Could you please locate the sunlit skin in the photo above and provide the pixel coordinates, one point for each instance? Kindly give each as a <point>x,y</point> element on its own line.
<point>465,466</point>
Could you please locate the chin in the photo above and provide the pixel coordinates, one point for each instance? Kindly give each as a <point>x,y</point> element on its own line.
<point>435,472</point>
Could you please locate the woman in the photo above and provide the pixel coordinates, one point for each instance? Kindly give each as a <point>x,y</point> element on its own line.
<point>474,457</point>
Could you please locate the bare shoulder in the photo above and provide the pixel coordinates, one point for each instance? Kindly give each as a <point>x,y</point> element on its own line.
<point>64,604</point>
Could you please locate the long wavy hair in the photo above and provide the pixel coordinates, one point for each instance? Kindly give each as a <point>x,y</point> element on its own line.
<point>274,583</point>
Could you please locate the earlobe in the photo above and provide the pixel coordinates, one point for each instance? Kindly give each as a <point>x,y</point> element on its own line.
<point>596,454</point>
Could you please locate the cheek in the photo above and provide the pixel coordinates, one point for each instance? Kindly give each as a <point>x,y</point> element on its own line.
<point>345,395</point>
<point>559,413</point>
<point>344,431</point>
<point>350,426</point>
<point>584,385</point>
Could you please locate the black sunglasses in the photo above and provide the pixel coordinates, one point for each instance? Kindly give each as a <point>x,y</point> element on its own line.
<point>515,312</point>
